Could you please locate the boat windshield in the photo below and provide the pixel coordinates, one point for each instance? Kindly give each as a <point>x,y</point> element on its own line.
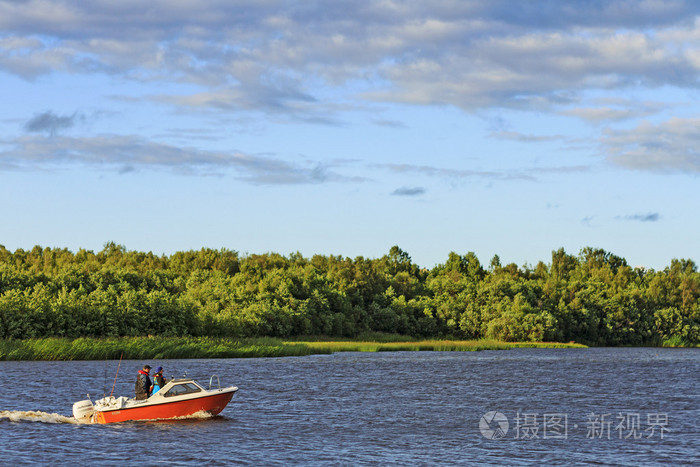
<point>179,389</point>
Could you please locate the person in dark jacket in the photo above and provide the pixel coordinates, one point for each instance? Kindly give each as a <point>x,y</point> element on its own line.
<point>143,383</point>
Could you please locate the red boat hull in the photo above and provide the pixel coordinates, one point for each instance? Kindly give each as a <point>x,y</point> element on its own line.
<point>212,404</point>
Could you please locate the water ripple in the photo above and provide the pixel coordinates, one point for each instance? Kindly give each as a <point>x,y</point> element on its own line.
<point>418,408</point>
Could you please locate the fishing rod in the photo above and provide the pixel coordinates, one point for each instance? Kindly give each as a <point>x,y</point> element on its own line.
<point>115,376</point>
<point>104,378</point>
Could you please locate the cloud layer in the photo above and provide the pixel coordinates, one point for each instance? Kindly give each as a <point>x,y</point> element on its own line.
<point>127,153</point>
<point>307,60</point>
<point>277,54</point>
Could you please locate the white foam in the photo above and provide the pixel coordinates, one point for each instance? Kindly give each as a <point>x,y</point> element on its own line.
<point>197,415</point>
<point>201,415</point>
<point>35,416</point>
<point>45,417</point>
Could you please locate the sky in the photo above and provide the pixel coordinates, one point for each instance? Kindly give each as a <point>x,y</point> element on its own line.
<point>345,127</point>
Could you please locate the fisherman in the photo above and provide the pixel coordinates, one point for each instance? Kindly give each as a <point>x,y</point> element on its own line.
<point>143,383</point>
<point>158,380</point>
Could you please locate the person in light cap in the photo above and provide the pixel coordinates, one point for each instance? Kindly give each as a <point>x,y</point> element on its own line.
<point>143,383</point>
<point>158,380</point>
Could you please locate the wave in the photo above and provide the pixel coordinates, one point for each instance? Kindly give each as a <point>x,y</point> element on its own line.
<point>35,416</point>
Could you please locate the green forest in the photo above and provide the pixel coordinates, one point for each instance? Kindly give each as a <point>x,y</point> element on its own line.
<point>594,298</point>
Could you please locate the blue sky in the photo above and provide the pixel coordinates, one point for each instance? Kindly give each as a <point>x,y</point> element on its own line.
<point>346,127</point>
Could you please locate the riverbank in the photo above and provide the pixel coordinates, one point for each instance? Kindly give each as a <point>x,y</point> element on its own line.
<point>206,347</point>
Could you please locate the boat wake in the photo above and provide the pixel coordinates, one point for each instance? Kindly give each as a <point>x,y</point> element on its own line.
<point>45,417</point>
<point>34,416</point>
<point>201,415</point>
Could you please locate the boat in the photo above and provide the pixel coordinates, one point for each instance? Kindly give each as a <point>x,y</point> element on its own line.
<point>179,398</point>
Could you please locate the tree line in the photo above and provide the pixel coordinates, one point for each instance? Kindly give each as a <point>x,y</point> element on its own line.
<point>593,297</point>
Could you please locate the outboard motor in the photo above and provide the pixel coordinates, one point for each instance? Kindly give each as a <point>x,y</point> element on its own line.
<point>82,410</point>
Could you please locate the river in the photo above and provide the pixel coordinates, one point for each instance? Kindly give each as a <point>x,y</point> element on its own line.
<point>609,406</point>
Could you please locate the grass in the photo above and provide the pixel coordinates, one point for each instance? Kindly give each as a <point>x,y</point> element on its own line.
<point>146,347</point>
<point>208,347</point>
<point>429,345</point>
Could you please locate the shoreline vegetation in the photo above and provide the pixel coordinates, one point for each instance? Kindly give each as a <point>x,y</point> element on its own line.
<point>156,348</point>
<point>594,298</point>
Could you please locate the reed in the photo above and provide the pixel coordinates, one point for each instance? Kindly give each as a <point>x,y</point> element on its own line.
<point>146,348</point>
<point>431,345</point>
<point>208,347</point>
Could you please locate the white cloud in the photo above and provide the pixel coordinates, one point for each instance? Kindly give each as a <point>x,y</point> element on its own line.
<point>528,174</point>
<point>669,146</point>
<point>600,114</point>
<point>129,153</point>
<point>456,174</point>
<point>523,138</point>
<point>611,109</point>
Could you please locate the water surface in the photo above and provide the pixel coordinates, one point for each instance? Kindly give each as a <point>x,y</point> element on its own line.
<point>626,406</point>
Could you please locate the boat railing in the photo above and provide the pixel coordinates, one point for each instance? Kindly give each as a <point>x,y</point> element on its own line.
<point>217,381</point>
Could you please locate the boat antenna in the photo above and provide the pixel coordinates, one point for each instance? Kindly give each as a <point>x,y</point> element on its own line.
<point>115,376</point>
